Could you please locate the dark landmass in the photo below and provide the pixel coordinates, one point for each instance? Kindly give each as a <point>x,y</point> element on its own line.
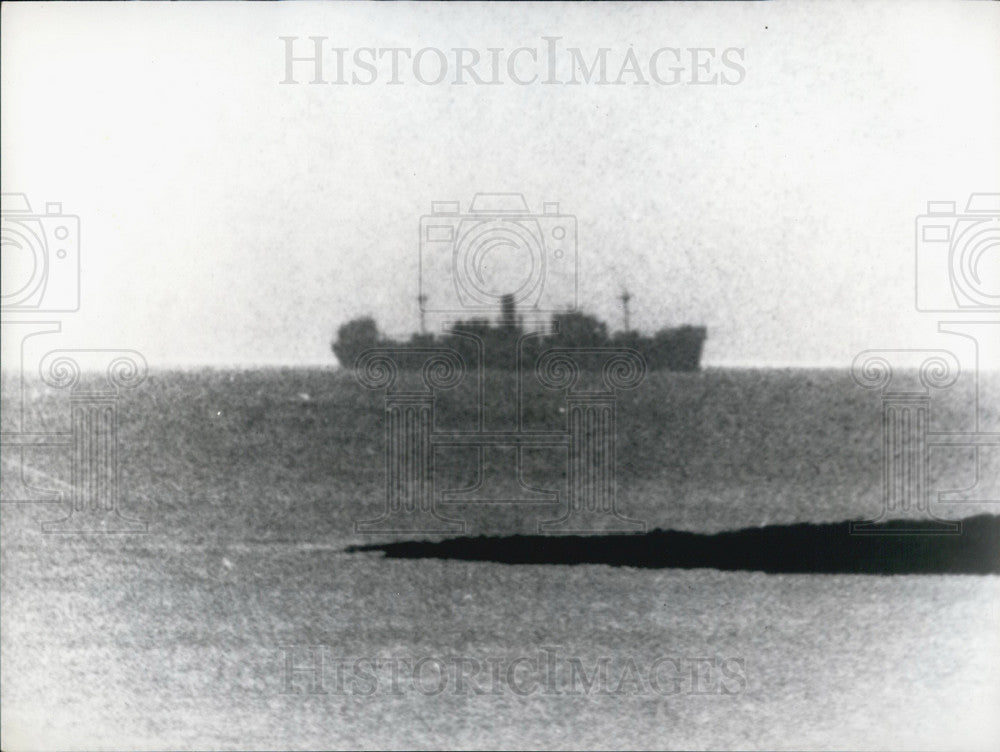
<point>788,549</point>
<point>671,349</point>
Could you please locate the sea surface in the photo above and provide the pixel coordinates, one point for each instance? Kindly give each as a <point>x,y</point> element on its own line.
<point>239,620</point>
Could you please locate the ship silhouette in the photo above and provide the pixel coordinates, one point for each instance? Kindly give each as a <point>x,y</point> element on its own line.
<point>507,341</point>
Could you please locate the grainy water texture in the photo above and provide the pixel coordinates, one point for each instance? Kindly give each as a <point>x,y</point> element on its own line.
<point>252,483</point>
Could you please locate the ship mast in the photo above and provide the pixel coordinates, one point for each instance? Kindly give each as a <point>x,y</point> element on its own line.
<point>625,297</point>
<point>421,299</point>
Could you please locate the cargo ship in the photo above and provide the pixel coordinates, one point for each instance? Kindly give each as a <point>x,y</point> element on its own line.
<point>497,343</point>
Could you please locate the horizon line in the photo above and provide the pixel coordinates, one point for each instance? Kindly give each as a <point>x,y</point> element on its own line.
<point>333,365</point>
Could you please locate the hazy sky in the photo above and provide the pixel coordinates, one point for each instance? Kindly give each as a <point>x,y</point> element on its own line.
<point>226,218</point>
